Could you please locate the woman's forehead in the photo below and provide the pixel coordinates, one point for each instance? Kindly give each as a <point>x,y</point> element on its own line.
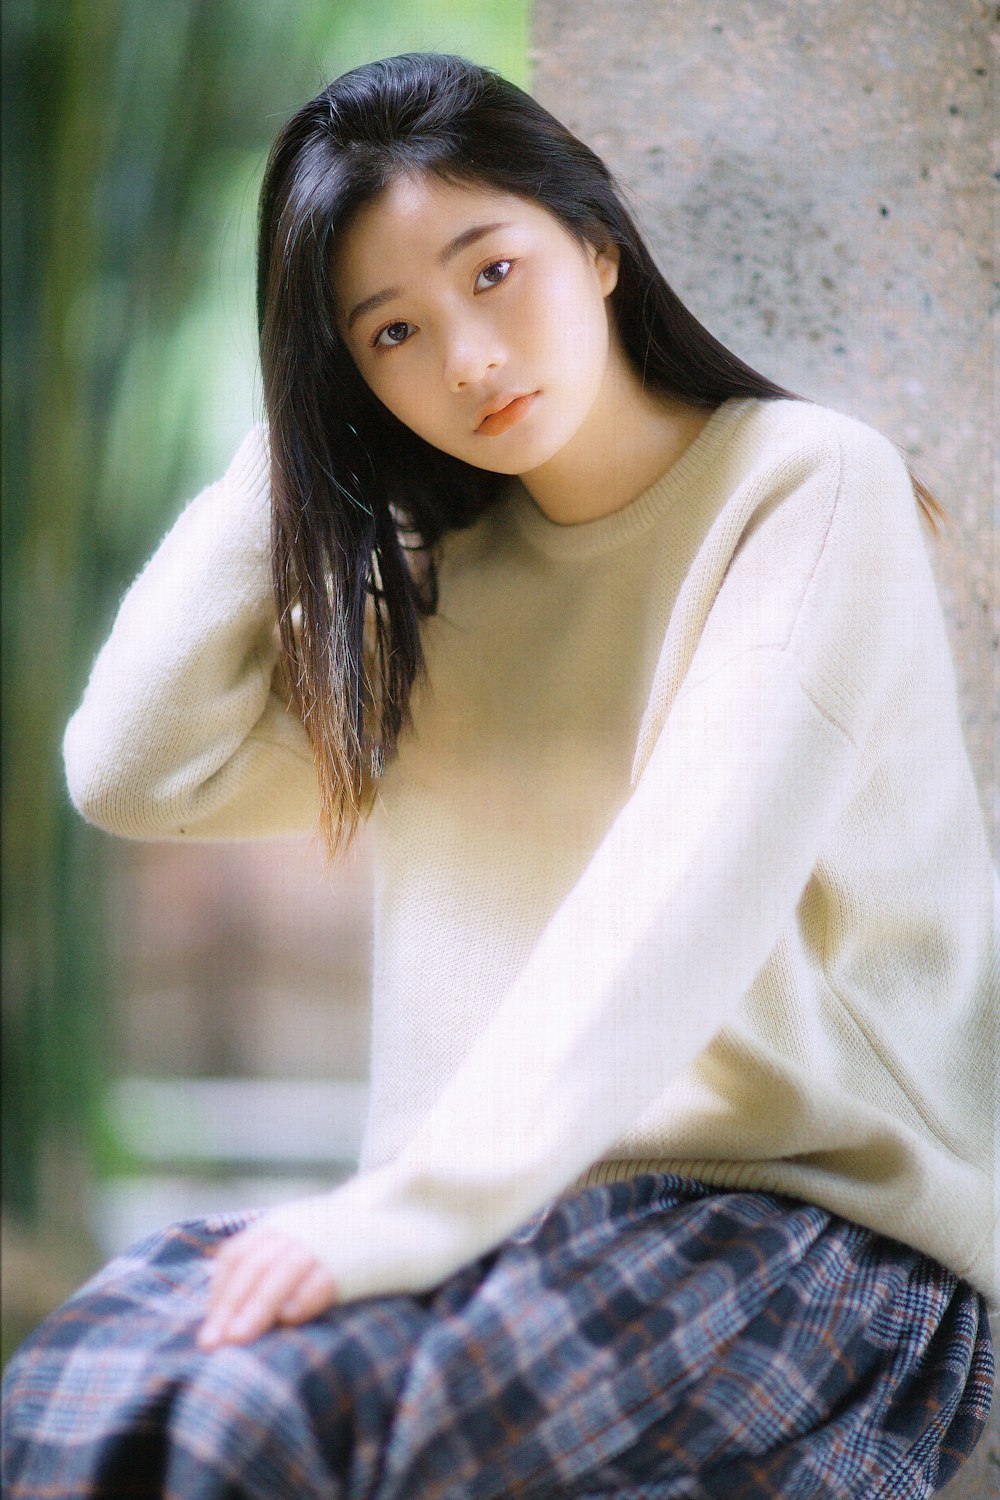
<point>423,205</point>
<point>423,220</point>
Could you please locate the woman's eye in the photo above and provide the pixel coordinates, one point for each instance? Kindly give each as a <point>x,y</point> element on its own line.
<point>392,335</point>
<point>493,274</point>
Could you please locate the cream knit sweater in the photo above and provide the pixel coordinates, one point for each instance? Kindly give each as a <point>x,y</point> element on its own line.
<point>681,866</point>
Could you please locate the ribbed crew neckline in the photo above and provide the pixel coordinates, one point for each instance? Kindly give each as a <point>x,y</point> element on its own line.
<point>590,538</point>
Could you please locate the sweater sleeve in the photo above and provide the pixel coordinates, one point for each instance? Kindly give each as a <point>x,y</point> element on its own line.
<point>183,730</point>
<point>750,769</point>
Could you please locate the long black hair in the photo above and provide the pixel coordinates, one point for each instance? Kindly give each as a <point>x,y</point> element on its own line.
<point>356,494</point>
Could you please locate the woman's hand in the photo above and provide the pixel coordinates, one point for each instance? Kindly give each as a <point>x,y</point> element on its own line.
<point>262,1277</point>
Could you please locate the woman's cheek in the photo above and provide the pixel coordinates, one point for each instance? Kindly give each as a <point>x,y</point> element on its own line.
<point>395,392</point>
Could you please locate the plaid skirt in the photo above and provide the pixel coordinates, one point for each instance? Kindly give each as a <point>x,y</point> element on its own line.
<point>650,1339</point>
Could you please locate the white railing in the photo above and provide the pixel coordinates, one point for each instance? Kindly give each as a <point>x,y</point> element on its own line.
<point>202,1146</point>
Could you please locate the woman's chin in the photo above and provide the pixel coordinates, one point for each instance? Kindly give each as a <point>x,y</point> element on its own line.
<point>521,458</point>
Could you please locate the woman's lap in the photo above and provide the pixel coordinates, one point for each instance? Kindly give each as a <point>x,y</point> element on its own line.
<point>646,1340</point>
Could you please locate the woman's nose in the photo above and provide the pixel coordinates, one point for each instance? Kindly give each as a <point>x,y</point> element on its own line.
<point>470,358</point>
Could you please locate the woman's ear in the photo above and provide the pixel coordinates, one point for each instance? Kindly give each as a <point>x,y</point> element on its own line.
<point>606,261</point>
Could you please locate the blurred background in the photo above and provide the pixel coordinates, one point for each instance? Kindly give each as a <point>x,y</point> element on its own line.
<point>185,1028</point>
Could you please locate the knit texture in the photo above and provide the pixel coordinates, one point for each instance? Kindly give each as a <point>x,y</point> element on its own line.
<point>680,868</point>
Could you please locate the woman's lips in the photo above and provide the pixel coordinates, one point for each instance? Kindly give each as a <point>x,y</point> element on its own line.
<point>507,416</point>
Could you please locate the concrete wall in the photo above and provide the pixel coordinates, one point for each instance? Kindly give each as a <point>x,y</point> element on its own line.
<point>814,176</point>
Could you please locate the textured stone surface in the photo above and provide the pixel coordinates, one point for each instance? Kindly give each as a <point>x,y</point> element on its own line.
<point>814,176</point>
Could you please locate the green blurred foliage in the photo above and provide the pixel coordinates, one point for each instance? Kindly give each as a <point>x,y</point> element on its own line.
<point>133,144</point>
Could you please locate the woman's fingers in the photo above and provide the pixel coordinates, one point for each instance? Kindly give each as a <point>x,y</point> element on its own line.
<point>314,1294</point>
<point>254,1277</point>
<point>253,1309</point>
<point>239,1264</point>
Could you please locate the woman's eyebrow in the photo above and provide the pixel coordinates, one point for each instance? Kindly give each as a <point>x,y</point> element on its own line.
<point>454,247</point>
<point>466,238</point>
<point>371,303</point>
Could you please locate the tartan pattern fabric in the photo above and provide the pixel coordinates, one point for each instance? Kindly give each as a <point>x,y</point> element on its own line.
<point>650,1339</point>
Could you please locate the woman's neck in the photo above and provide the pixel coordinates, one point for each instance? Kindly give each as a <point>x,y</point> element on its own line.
<point>631,437</point>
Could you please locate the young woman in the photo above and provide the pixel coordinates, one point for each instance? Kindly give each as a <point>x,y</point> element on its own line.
<point>677,1178</point>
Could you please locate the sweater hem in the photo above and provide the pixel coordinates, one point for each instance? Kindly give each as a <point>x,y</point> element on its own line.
<point>768,1177</point>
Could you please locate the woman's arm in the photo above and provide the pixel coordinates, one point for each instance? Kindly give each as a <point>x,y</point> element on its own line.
<point>184,730</point>
<point>588,1035</point>
<point>755,761</point>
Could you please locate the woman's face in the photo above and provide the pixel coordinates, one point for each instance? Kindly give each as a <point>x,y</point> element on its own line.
<point>476,318</point>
